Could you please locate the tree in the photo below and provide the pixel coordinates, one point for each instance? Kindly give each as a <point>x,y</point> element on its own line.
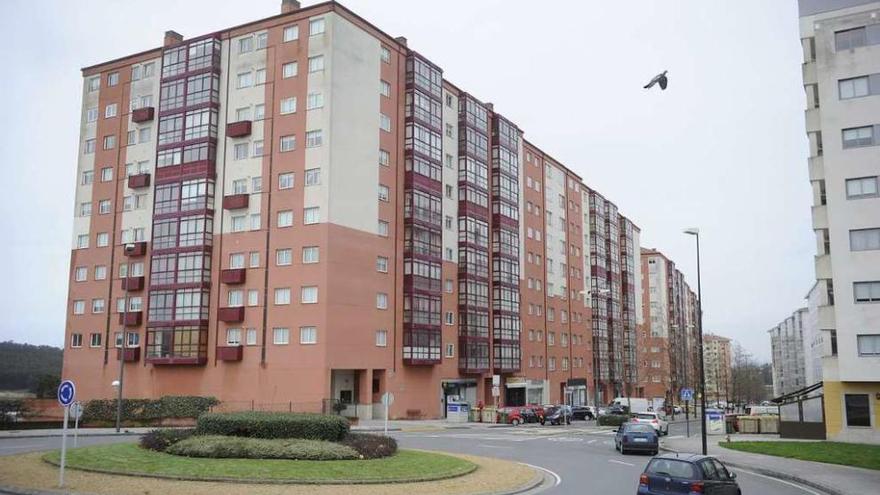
<point>747,376</point>
<point>47,386</point>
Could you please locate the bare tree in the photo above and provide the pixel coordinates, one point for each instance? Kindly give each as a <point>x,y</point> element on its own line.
<point>747,377</point>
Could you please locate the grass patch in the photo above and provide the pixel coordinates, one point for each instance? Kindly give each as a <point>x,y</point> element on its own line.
<point>847,454</point>
<point>127,458</point>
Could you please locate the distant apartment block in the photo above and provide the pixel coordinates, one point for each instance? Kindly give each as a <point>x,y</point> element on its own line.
<point>717,363</point>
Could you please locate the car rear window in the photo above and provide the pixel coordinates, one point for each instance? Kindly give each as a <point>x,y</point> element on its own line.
<point>640,428</point>
<point>671,468</point>
<point>645,416</point>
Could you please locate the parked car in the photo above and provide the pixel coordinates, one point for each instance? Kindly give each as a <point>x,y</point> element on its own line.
<point>651,418</point>
<point>519,415</point>
<point>582,412</point>
<point>632,437</point>
<point>617,410</point>
<point>558,415</point>
<point>687,473</point>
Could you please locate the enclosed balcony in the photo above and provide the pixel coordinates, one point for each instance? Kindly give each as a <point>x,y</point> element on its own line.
<point>235,201</point>
<point>144,114</point>
<point>139,180</point>
<point>233,276</point>
<point>138,249</point>
<point>230,353</point>
<point>131,318</point>
<point>231,315</point>
<point>129,354</point>
<point>238,129</point>
<point>820,217</point>
<point>133,283</point>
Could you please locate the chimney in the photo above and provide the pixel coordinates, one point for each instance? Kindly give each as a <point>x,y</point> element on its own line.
<point>172,38</point>
<point>288,6</point>
<point>490,106</point>
<point>401,40</point>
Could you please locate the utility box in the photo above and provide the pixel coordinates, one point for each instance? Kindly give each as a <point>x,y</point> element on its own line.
<point>457,412</point>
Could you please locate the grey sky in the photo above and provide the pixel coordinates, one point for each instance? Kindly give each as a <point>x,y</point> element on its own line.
<point>723,148</point>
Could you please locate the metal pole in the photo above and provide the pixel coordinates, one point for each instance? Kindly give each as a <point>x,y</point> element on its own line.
<point>76,424</point>
<point>121,352</point>
<point>63,447</point>
<point>700,342</point>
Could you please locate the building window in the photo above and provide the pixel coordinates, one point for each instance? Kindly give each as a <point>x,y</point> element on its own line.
<point>280,336</point>
<point>110,111</point>
<point>314,100</point>
<point>316,26</point>
<point>251,336</point>
<point>93,83</point>
<point>381,338</point>
<point>235,298</point>
<point>288,105</point>
<point>260,76</point>
<point>282,295</point>
<point>288,143</point>
<point>85,209</point>
<point>384,158</point>
<point>259,111</point>
<point>262,41</point>
<point>869,345</point>
<point>450,350</point>
<point>283,257</point>
<point>864,239</point>
<point>858,136</point>
<point>95,340</point>
<point>106,174</point>
<point>308,335</point>
<point>381,300</point>
<point>103,239</point>
<point>113,79</point>
<point>100,272</point>
<point>311,215</point>
<point>239,186</point>
<point>316,64</point>
<point>382,264</point>
<point>104,206</point>
<point>240,151</point>
<point>383,192</point>
<point>290,33</point>
<point>76,340</point>
<point>309,294</point>
<point>254,259</point>
<point>853,88</point>
<point>383,228</point>
<point>314,138</point>
<point>448,286</point>
<point>285,218</point>
<point>858,410</point>
<point>109,142</point>
<point>289,70</point>
<point>385,55</point>
<point>238,223</point>
<point>246,45</point>
<point>285,181</point>
<point>850,38</point>
<point>233,336</point>
<point>450,318</point>
<point>88,176</point>
<point>79,307</point>
<point>385,88</point>
<point>310,254</point>
<point>384,122</point>
<point>82,241</point>
<point>89,146</point>
<point>867,292</point>
<point>863,187</point>
<point>244,80</point>
<point>253,297</point>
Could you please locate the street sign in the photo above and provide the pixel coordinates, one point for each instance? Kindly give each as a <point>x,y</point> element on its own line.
<point>496,391</point>
<point>66,393</point>
<point>687,394</point>
<point>387,399</point>
<point>496,380</point>
<point>76,410</point>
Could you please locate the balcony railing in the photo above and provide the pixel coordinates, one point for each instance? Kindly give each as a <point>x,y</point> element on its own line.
<point>131,318</point>
<point>140,249</point>
<point>231,315</point>
<point>133,283</point>
<point>238,129</point>
<point>233,276</point>
<point>235,201</point>
<point>144,114</point>
<point>230,353</point>
<point>129,354</point>
<point>138,181</point>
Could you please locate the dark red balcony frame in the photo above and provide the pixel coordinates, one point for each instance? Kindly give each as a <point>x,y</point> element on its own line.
<point>133,283</point>
<point>231,315</point>
<point>233,276</point>
<point>230,353</point>
<point>138,180</point>
<point>131,318</point>
<point>239,129</point>
<point>129,354</point>
<point>140,249</point>
<point>144,114</point>
<point>236,201</point>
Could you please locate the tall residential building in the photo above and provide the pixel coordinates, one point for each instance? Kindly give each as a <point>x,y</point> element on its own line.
<point>841,73</point>
<point>716,357</point>
<point>668,352</point>
<point>787,346</point>
<point>302,209</point>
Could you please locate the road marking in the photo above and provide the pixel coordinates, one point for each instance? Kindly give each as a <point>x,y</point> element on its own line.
<point>795,485</point>
<point>625,463</point>
<point>556,476</point>
<point>494,446</point>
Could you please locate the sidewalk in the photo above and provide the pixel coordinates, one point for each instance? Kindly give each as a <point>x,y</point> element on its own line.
<point>828,478</point>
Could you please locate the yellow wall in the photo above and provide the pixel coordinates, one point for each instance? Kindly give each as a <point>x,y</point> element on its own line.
<point>834,415</point>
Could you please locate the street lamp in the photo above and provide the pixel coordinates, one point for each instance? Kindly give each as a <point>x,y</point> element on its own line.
<point>599,293</point>
<point>696,233</point>
<point>129,247</point>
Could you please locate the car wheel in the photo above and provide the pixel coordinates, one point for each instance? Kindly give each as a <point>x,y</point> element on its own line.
<point>514,422</point>
<point>622,449</point>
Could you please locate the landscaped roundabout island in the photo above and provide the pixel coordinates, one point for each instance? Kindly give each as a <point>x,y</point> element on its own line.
<point>243,452</point>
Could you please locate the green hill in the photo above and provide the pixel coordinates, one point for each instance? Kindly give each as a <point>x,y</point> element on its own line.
<point>29,367</point>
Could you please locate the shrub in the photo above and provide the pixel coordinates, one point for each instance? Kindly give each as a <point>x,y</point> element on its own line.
<point>274,425</point>
<point>260,448</point>
<point>371,446</point>
<point>162,438</point>
<point>12,410</point>
<point>149,409</point>
<point>612,419</point>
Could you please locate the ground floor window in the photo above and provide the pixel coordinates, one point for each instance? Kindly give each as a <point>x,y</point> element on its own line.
<point>858,412</point>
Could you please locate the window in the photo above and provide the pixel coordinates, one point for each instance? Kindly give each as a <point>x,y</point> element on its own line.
<point>93,83</point>
<point>382,300</point>
<point>103,239</point>
<point>385,55</point>
<point>235,298</point>
<point>254,259</point>
<point>82,241</point>
<point>240,151</point>
<point>95,340</point>
<point>384,88</point>
<point>104,206</point>
<point>79,307</point>
<point>260,76</point>
<point>314,138</point>
<point>310,254</point>
<point>850,38</point>
<point>85,209</point>
<point>290,33</point>
<point>316,64</point>
<point>89,146</point>
<point>309,294</point>
<point>449,130</point>
<point>381,338</point>
<point>259,111</point>
<point>289,70</point>
<point>311,215</point>
<point>280,336</point>
<point>382,264</point>
<point>315,100</point>
<point>238,223</point>
<point>239,186</point>
<point>282,295</point>
<point>383,228</point>
<point>101,272</point>
<point>245,80</point>
<point>236,260</point>
<point>863,187</point>
<point>110,111</point>
<point>233,336</point>
<point>383,192</point>
<point>109,142</point>
<point>76,340</point>
<point>143,134</point>
<point>112,79</point>
<point>246,45</point>
<point>448,286</point>
<point>88,177</point>
<point>450,350</point>
<point>308,335</point>
<point>106,174</point>
<point>313,176</point>
<point>288,105</point>
<point>384,158</point>
<point>253,297</point>
<point>450,318</point>
<point>288,143</point>
<point>316,26</point>
<point>853,88</point>
<point>858,410</point>
<point>864,239</point>
<point>251,336</point>
<point>283,256</point>
<point>285,181</point>
<point>858,136</point>
<point>262,40</point>
<point>285,218</point>
<point>242,114</point>
<point>384,122</point>
<point>869,345</point>
<point>866,292</point>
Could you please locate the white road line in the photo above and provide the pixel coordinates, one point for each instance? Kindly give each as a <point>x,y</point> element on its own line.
<point>624,463</point>
<point>558,478</point>
<point>494,446</point>
<point>795,485</point>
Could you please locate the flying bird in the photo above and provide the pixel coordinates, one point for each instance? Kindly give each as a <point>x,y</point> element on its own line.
<point>659,78</point>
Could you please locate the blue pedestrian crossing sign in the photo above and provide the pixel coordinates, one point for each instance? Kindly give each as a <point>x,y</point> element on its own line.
<point>66,393</point>
<point>687,394</point>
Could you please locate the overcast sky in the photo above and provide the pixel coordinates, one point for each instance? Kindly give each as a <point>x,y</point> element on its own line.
<point>723,148</point>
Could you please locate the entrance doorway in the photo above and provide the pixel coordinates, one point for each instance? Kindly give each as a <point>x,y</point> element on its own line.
<point>515,396</point>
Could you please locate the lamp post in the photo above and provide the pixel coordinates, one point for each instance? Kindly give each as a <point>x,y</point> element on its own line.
<point>129,247</point>
<point>696,233</point>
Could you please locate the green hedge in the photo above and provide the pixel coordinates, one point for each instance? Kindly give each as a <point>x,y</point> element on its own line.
<point>149,409</point>
<point>613,419</point>
<point>12,410</point>
<point>260,448</point>
<point>371,446</point>
<point>274,425</point>
<point>162,438</point>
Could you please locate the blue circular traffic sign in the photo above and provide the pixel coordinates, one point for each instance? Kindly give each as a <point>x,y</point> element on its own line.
<point>66,393</point>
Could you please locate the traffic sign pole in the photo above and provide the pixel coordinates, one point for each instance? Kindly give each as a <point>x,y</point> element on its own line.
<point>66,394</point>
<point>77,413</point>
<point>387,400</point>
<point>63,447</point>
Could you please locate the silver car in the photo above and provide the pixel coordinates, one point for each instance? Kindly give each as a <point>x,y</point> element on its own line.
<point>651,418</point>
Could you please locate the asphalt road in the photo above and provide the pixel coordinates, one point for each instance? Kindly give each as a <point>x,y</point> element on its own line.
<point>582,460</point>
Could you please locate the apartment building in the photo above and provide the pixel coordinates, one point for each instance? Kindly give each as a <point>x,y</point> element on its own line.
<point>303,210</point>
<point>716,361</point>
<point>788,357</point>
<point>841,75</point>
<point>668,344</point>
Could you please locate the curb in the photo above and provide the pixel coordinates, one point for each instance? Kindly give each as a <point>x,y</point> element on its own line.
<point>70,435</point>
<point>539,479</point>
<point>775,474</point>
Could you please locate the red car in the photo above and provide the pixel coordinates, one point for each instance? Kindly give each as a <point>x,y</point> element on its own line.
<point>519,415</point>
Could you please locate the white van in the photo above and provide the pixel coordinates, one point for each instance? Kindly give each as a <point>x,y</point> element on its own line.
<point>636,404</point>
